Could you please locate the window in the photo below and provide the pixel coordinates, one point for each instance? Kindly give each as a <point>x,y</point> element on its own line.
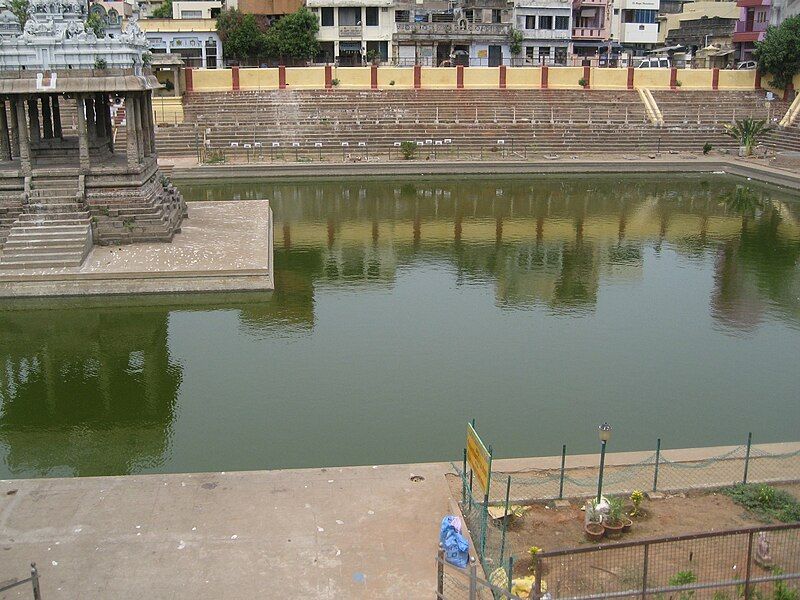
<point>639,16</point>
<point>496,15</point>
<point>191,14</point>
<point>372,16</point>
<point>761,17</point>
<point>530,22</point>
<point>529,50</point>
<point>562,23</point>
<point>469,15</point>
<point>561,56</point>
<point>545,22</point>
<point>349,16</point>
<point>544,54</point>
<point>402,16</point>
<point>327,16</point>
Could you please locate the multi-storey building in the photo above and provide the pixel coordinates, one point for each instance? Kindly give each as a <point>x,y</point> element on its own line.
<point>591,27</point>
<point>272,9</point>
<point>353,31</point>
<point>783,9</point>
<point>754,18</point>
<point>474,32</point>
<point>196,40</point>
<point>546,28</point>
<point>634,24</point>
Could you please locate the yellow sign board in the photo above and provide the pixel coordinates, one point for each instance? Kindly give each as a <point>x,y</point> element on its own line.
<point>478,458</point>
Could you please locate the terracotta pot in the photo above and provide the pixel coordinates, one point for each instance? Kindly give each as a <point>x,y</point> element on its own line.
<point>614,531</point>
<point>627,523</point>
<point>594,531</point>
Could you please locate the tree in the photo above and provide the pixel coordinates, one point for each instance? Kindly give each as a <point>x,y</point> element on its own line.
<point>779,53</point>
<point>19,8</point>
<point>747,131</point>
<point>163,12</point>
<point>293,37</point>
<point>95,24</point>
<point>242,38</point>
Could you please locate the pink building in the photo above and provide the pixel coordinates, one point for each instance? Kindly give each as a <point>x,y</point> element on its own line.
<point>751,27</point>
<point>591,23</point>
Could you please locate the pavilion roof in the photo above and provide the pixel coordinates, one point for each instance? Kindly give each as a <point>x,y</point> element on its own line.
<point>76,81</point>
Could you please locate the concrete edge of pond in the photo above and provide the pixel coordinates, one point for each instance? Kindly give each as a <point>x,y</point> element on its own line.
<point>222,247</point>
<point>664,164</point>
<point>334,532</point>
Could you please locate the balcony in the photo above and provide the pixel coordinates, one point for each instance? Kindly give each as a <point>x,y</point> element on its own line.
<point>497,30</point>
<point>545,34</point>
<point>750,27</point>
<point>752,3</point>
<point>350,31</point>
<point>576,4</point>
<point>589,33</point>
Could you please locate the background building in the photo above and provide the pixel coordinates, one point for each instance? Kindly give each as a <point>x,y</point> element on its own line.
<point>546,27</point>
<point>196,40</point>
<point>754,18</point>
<point>591,21</point>
<point>634,24</point>
<point>353,31</point>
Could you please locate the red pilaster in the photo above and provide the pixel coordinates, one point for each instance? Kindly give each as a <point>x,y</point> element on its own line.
<point>417,77</point>
<point>673,78</point>
<point>373,77</point>
<point>328,77</point>
<point>502,77</point>
<point>587,75</point>
<point>189,82</point>
<point>544,77</point>
<point>758,80</point>
<point>460,77</point>
<point>282,77</point>
<point>715,79</point>
<point>631,74</point>
<point>235,77</point>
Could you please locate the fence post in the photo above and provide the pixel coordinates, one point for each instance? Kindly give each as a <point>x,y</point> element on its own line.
<point>655,472</point>
<point>505,520</point>
<point>749,563</point>
<point>510,573</point>
<point>473,582</point>
<point>644,570</point>
<point>486,504</point>
<point>37,594</point>
<point>440,573</point>
<point>563,463</point>
<point>463,474</point>
<point>536,590</point>
<point>747,456</point>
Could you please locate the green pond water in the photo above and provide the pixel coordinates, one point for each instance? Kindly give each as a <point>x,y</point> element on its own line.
<point>668,306</point>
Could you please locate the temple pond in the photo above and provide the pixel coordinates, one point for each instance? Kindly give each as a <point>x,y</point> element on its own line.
<point>668,306</point>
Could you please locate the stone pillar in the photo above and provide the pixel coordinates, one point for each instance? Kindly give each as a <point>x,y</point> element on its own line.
<point>12,118</point>
<point>81,105</point>
<point>91,123</point>
<point>109,125</point>
<point>5,142</point>
<point>132,149</point>
<point>33,119</point>
<point>151,127</point>
<point>47,118</point>
<point>99,119</point>
<point>24,140</point>
<point>56,118</point>
<point>143,125</point>
<point>140,128</point>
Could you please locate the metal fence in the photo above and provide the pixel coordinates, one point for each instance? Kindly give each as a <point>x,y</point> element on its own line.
<point>33,580</point>
<point>752,563</point>
<point>453,583</point>
<point>657,472</point>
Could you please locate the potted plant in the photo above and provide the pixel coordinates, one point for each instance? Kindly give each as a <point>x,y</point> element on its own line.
<point>593,521</point>
<point>613,522</point>
<point>746,132</point>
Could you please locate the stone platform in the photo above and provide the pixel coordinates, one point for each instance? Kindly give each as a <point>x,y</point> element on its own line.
<point>224,246</point>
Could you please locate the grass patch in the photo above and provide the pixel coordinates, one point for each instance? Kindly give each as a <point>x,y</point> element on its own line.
<point>766,502</point>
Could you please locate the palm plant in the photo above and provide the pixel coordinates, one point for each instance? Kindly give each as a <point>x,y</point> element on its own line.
<point>747,131</point>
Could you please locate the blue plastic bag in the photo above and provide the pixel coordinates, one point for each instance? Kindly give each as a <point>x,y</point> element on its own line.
<point>456,546</point>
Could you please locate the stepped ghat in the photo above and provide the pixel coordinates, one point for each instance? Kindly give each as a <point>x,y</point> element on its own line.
<point>64,189</point>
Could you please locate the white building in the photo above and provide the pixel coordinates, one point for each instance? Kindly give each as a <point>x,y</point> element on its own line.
<point>196,9</point>
<point>634,23</point>
<point>196,40</point>
<point>353,31</point>
<point>546,30</point>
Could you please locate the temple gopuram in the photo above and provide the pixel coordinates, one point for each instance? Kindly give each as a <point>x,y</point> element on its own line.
<point>78,163</point>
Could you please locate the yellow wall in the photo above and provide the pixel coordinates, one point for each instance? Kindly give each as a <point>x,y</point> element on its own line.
<point>258,79</point>
<point>652,79</point>
<point>482,77</point>
<point>403,78</point>
<point>737,80</point>
<point>608,79</point>
<point>212,80</point>
<point>564,77</point>
<point>305,77</point>
<point>438,77</point>
<point>168,110</point>
<point>352,77</point>
<point>524,77</point>
<point>696,79</point>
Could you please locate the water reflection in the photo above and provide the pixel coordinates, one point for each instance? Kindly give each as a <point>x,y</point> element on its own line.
<point>373,279</point>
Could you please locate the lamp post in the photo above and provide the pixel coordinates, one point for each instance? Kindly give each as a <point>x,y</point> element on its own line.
<point>605,434</point>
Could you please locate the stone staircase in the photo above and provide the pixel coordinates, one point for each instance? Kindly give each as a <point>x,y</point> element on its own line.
<point>54,230</point>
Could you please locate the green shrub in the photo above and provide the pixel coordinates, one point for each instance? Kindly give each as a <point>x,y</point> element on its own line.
<point>707,148</point>
<point>409,149</point>
<point>684,578</point>
<point>765,502</point>
<point>582,82</point>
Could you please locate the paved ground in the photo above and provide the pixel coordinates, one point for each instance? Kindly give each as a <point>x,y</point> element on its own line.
<point>222,246</point>
<point>353,532</point>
